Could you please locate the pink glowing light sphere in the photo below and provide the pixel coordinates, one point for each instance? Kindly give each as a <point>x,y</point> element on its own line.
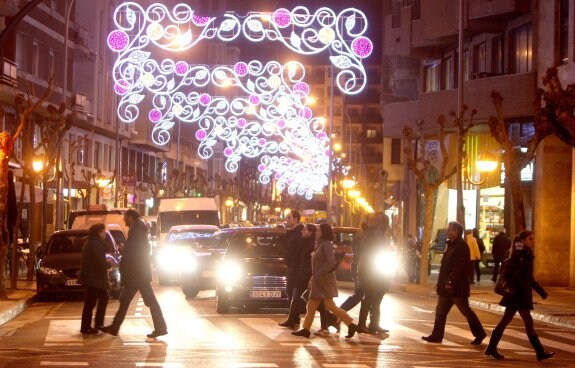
<point>242,122</point>
<point>362,47</point>
<point>282,17</point>
<point>261,167</point>
<point>201,135</point>
<point>155,115</point>
<point>281,123</point>
<point>305,113</point>
<point>182,68</point>
<point>254,99</point>
<point>200,21</point>
<point>321,135</point>
<point>241,68</point>
<point>262,142</point>
<point>205,99</point>
<point>122,86</point>
<point>301,89</point>
<point>118,40</point>
<point>228,151</point>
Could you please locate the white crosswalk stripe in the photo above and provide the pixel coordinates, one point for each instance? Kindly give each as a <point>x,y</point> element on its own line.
<point>202,333</point>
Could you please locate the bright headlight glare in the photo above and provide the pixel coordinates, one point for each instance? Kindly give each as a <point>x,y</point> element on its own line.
<point>188,263</point>
<point>229,272</point>
<point>169,259</point>
<point>386,262</point>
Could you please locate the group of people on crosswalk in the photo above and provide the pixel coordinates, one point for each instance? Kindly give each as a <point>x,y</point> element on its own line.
<point>311,264</point>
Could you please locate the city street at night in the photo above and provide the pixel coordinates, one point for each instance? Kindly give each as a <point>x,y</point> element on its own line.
<point>47,334</point>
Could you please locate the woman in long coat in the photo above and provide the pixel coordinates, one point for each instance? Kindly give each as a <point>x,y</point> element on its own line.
<point>518,272</point>
<point>322,285</point>
<point>94,275</point>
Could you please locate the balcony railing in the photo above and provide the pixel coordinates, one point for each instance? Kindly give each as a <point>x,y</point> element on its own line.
<point>9,73</point>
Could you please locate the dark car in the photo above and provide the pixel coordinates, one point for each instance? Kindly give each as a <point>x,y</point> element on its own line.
<point>252,273</point>
<point>343,239</point>
<point>59,263</point>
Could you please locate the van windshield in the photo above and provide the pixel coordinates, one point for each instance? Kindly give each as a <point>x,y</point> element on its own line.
<point>169,219</point>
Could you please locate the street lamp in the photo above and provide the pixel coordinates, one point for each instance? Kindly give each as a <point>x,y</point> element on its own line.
<point>37,164</point>
<point>229,204</point>
<point>486,163</point>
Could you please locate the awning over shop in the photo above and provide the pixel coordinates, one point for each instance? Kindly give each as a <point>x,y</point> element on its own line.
<point>38,194</point>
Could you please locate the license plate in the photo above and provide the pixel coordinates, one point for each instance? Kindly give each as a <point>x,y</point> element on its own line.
<point>208,274</point>
<point>72,282</point>
<point>265,294</point>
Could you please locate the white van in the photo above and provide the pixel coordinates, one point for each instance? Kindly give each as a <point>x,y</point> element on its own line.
<point>186,211</point>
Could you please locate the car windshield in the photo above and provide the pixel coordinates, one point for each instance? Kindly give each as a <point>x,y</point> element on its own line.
<point>195,238</point>
<point>169,219</point>
<point>344,238</point>
<point>258,245</point>
<point>74,243</point>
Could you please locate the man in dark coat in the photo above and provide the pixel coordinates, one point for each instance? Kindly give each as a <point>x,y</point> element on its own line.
<point>136,272</point>
<point>294,287</point>
<point>94,275</point>
<point>453,287</point>
<point>500,251</point>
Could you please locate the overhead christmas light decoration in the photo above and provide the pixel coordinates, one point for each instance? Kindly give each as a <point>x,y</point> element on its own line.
<point>272,118</point>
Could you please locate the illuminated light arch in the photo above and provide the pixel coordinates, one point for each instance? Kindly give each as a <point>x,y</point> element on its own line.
<point>299,30</point>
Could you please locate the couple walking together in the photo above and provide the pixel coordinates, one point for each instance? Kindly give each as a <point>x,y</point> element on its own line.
<point>135,271</point>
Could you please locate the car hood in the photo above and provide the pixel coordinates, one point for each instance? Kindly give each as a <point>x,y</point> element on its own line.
<point>265,266</point>
<point>62,261</point>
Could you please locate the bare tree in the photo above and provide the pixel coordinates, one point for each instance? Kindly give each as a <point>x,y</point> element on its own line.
<point>429,177</point>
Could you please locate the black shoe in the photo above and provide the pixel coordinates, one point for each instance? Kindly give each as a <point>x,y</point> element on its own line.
<point>351,330</point>
<point>89,331</point>
<point>431,339</point>
<point>478,340</point>
<point>155,333</point>
<point>494,353</point>
<point>362,329</point>
<point>304,332</point>
<point>289,324</point>
<point>109,330</point>
<point>545,355</point>
<point>377,330</point>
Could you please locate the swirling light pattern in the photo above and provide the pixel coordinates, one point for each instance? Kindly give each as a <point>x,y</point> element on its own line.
<point>271,119</point>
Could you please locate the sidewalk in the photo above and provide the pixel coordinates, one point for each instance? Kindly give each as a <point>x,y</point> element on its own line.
<point>558,309</point>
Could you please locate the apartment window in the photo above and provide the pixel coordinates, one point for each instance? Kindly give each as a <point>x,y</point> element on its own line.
<point>466,66</point>
<point>97,155</point>
<point>395,151</point>
<point>564,32</point>
<point>51,73</point>
<point>521,49</point>
<point>432,81</point>
<point>371,133</point>
<point>448,73</point>
<point>480,58</point>
<point>35,59</point>
<point>111,158</point>
<point>497,54</point>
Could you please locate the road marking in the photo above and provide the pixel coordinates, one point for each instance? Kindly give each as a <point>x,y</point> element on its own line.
<point>253,365</point>
<point>164,365</point>
<point>62,332</point>
<point>565,335</point>
<point>465,333</point>
<point>350,365</point>
<point>70,364</point>
<point>422,310</point>
<point>269,327</point>
<point>403,331</point>
<point>546,342</point>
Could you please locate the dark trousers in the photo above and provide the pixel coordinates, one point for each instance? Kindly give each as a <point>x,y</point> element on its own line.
<point>496,267</point>
<point>371,304</point>
<point>92,297</point>
<point>297,304</point>
<point>444,304</point>
<point>126,296</point>
<point>353,299</point>
<point>508,317</point>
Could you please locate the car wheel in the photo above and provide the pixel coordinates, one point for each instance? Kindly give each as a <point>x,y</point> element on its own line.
<point>190,292</point>
<point>222,305</point>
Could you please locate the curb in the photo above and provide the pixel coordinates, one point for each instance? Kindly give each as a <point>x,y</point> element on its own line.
<point>17,308</point>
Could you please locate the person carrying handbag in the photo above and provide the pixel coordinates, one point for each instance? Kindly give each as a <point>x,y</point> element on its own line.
<point>518,273</point>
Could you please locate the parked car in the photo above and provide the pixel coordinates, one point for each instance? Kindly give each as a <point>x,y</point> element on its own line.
<point>178,251</point>
<point>60,259</point>
<point>252,273</point>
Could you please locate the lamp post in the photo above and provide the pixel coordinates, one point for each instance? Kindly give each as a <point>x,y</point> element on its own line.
<point>229,204</point>
<point>460,131</point>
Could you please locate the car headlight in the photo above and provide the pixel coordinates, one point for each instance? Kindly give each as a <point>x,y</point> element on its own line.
<point>229,272</point>
<point>49,271</point>
<point>188,263</point>
<point>169,259</point>
<point>386,262</point>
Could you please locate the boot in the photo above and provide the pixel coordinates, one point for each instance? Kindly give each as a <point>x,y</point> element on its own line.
<point>492,347</point>
<point>541,353</point>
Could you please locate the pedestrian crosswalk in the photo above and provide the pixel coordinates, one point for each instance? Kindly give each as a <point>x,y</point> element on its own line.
<point>230,332</point>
